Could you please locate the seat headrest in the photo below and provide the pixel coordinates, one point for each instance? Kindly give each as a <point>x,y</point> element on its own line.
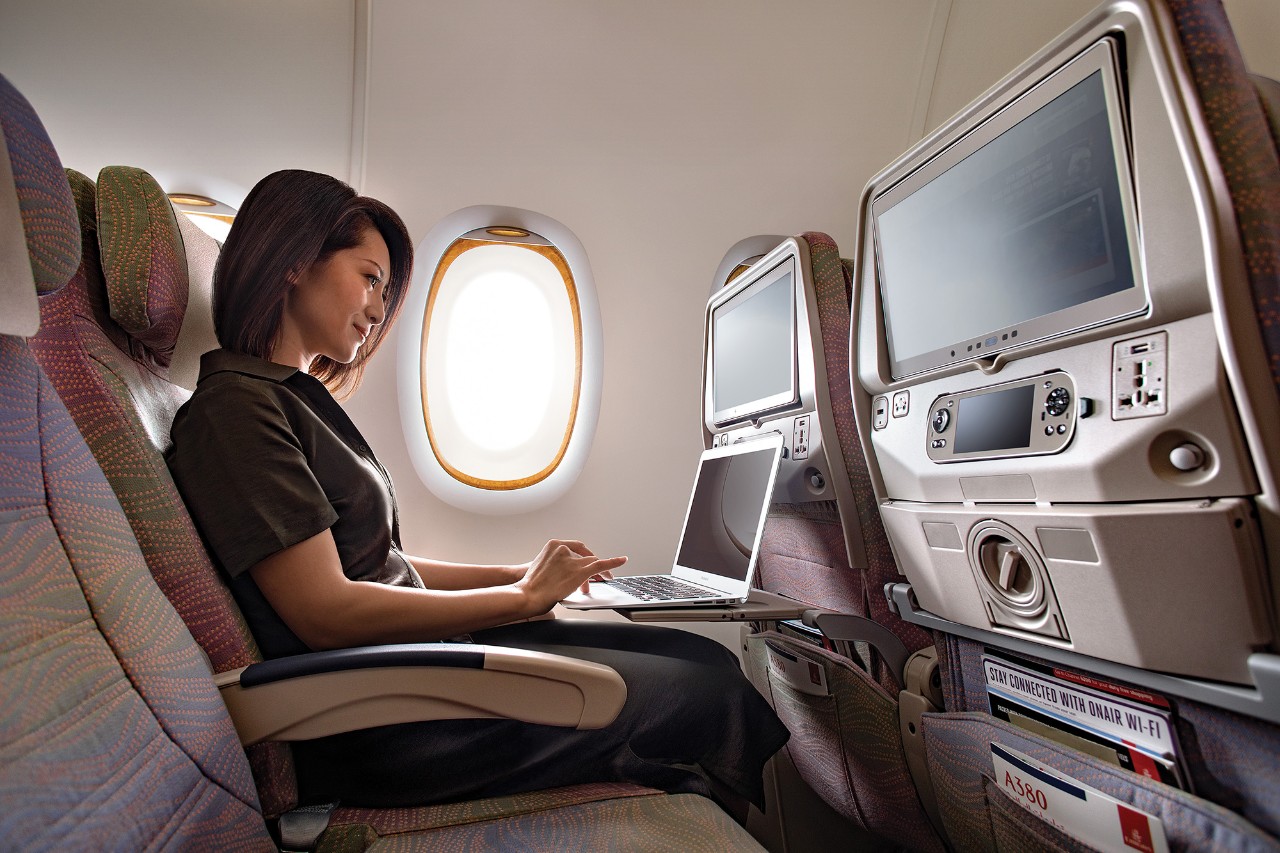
<point>144,263</point>
<point>48,252</point>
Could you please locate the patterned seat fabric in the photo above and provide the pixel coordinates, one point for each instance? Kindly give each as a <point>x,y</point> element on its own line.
<point>605,816</point>
<point>112,727</point>
<point>845,745</point>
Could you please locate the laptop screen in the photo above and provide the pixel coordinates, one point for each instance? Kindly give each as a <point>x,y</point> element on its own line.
<point>726,513</point>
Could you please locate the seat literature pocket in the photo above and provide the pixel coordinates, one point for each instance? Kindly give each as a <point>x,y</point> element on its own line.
<point>844,735</point>
<point>969,753</point>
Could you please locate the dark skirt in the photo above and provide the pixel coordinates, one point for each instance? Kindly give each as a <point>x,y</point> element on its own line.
<point>688,703</point>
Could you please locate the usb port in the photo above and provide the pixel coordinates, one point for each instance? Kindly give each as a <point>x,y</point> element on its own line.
<point>1137,348</point>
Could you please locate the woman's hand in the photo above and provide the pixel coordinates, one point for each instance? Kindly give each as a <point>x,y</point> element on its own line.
<point>563,566</point>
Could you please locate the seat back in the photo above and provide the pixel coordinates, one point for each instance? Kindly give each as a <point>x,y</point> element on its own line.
<point>107,342</point>
<point>1208,202</point>
<point>825,548</point>
<point>823,577</point>
<point>112,727</point>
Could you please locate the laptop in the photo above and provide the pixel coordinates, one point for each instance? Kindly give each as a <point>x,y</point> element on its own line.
<point>716,559</point>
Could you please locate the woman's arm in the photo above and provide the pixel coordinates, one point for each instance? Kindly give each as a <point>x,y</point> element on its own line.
<point>437,574</point>
<point>305,585</point>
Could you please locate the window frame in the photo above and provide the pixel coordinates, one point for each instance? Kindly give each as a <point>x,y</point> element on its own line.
<point>589,365</point>
<point>546,249</point>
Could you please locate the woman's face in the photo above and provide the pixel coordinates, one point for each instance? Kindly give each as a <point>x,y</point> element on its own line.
<point>334,305</point>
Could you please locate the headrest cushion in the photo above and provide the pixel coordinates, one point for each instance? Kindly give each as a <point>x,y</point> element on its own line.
<point>44,199</point>
<point>144,263</point>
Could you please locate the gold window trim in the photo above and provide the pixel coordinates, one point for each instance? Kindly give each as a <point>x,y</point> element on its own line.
<point>551,253</point>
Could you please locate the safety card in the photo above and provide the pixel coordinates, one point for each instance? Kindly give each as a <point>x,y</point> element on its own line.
<point>1082,812</point>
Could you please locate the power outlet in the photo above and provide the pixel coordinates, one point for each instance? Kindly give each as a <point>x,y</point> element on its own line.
<point>1138,370</point>
<point>800,438</point>
<point>901,403</point>
<point>880,413</point>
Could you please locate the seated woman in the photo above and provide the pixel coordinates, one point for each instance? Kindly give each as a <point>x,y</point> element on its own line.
<point>302,517</point>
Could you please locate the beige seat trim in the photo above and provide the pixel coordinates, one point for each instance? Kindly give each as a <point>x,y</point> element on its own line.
<point>532,687</point>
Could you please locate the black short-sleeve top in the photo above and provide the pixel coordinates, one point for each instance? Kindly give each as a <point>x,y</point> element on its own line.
<point>265,458</point>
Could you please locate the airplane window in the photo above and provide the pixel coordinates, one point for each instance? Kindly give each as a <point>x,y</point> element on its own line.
<point>501,353</point>
<point>213,217</point>
<point>740,269</point>
<point>495,379</point>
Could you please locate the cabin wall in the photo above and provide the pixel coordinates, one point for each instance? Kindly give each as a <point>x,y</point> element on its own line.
<point>660,133</point>
<point>208,97</point>
<point>985,39</point>
<point>1257,27</point>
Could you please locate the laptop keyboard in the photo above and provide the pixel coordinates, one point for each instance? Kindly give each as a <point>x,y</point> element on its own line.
<point>658,588</point>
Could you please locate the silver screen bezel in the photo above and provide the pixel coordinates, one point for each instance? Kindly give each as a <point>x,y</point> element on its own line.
<point>1101,57</point>
<point>753,282</point>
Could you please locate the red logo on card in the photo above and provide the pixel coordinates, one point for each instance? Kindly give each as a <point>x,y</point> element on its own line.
<point>1135,829</point>
<point>1142,763</point>
<point>815,673</point>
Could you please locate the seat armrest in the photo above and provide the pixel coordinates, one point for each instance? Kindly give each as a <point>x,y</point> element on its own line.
<point>324,693</point>
<point>851,628</point>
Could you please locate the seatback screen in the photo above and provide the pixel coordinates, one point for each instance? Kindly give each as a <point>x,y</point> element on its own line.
<point>1005,244</point>
<point>753,360</point>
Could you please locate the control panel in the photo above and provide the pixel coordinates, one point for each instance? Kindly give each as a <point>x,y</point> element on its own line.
<point>1028,417</point>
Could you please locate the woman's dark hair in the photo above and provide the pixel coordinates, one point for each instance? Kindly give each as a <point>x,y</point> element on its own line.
<point>291,220</point>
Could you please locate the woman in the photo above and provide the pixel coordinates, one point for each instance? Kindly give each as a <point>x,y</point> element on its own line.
<point>302,518</point>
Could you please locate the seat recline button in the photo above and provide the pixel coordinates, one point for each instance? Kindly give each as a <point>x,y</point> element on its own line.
<point>1186,457</point>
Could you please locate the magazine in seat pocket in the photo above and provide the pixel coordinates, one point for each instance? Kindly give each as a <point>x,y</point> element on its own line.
<point>959,751</point>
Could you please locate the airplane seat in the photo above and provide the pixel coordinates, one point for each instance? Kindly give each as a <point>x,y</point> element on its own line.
<point>106,341</point>
<point>1219,787</point>
<point>845,735</point>
<point>107,700</point>
<point>142,706</point>
<point>822,577</point>
<point>881,568</point>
